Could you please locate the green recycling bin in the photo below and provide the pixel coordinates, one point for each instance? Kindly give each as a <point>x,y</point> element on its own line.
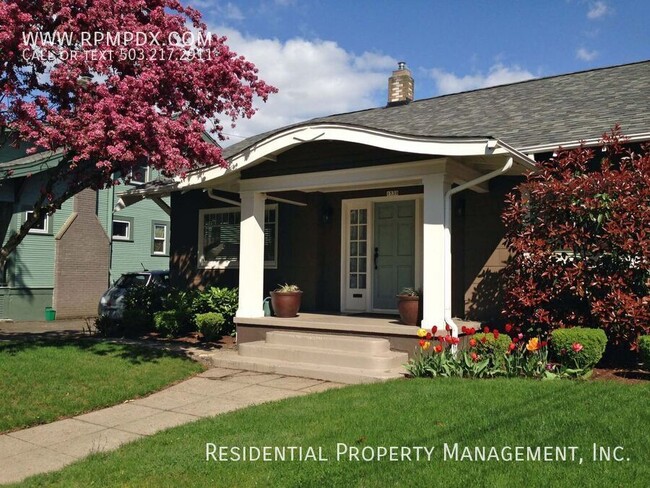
<point>50,314</point>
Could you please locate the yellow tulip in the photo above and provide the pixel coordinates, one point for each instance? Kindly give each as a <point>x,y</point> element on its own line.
<point>426,345</point>
<point>422,333</point>
<point>533,344</point>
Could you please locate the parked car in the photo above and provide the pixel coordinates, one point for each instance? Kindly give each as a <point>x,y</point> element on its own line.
<point>111,303</point>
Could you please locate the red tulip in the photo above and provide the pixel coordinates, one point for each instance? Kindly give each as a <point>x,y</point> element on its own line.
<point>486,329</point>
<point>495,333</point>
<point>472,342</point>
<point>422,342</point>
<point>483,339</point>
<point>429,335</point>
<point>508,328</point>
<point>438,348</point>
<point>474,356</point>
<point>434,329</point>
<point>576,346</point>
<point>512,346</point>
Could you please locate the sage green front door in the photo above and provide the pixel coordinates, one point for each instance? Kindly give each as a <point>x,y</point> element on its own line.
<point>394,252</point>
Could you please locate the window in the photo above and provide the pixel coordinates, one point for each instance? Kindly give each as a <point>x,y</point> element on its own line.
<point>139,174</point>
<point>42,226</point>
<point>219,237</point>
<point>159,238</point>
<point>122,229</point>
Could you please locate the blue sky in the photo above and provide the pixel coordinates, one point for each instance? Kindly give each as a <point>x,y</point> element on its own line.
<point>330,56</point>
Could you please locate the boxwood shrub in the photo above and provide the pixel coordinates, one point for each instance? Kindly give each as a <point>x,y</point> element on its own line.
<point>644,350</point>
<point>209,324</point>
<point>593,342</point>
<point>168,322</point>
<point>495,347</point>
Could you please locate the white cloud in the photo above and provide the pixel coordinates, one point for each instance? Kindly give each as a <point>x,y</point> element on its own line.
<point>586,55</point>
<point>499,74</point>
<point>233,12</point>
<point>314,78</point>
<point>597,10</point>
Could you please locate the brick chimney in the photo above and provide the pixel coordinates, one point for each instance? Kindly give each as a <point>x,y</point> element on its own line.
<point>400,86</point>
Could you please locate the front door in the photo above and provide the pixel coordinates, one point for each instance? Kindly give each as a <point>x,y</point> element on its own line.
<point>393,256</point>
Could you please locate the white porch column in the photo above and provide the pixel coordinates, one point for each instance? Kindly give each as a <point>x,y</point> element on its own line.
<point>251,255</point>
<point>433,266</point>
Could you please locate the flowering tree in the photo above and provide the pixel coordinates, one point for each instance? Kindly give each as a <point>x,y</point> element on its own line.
<point>578,231</point>
<point>113,84</point>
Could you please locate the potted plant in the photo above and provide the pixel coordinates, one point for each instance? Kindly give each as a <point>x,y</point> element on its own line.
<point>408,304</point>
<point>285,300</point>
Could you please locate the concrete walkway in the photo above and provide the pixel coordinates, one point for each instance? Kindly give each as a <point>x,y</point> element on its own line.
<point>51,446</point>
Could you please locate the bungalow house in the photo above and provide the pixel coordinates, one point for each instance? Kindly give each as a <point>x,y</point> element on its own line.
<point>353,207</point>
<point>69,259</point>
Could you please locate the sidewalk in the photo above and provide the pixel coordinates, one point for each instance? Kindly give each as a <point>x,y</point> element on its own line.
<point>51,446</point>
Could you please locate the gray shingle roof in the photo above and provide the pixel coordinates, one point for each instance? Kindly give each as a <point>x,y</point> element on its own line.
<point>550,110</point>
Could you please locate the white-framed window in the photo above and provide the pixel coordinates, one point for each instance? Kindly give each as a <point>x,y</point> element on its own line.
<point>122,229</point>
<point>139,174</point>
<point>219,237</point>
<point>159,238</point>
<point>40,227</point>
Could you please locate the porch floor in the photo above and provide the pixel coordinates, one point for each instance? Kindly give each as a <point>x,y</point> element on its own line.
<point>361,324</point>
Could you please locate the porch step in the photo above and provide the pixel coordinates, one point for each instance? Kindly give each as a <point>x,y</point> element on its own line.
<point>369,345</point>
<point>320,353</point>
<point>337,374</point>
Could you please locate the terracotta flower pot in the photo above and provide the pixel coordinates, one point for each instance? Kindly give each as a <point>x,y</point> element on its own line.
<point>409,308</point>
<point>286,303</point>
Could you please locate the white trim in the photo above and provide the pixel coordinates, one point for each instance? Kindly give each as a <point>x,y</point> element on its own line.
<point>154,239</point>
<point>389,175</point>
<point>368,203</point>
<point>46,223</point>
<point>202,263</point>
<point>129,230</point>
<point>540,148</point>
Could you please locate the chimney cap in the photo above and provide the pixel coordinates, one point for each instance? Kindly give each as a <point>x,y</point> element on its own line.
<point>401,65</point>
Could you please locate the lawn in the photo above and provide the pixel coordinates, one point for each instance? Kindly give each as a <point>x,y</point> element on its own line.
<point>408,413</point>
<point>42,381</point>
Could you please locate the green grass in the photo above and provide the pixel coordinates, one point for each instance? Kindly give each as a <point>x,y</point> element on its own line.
<point>41,381</point>
<point>401,413</point>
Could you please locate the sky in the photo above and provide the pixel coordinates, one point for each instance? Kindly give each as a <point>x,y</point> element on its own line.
<point>334,56</point>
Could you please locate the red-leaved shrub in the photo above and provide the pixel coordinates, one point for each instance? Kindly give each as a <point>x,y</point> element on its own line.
<point>578,231</point>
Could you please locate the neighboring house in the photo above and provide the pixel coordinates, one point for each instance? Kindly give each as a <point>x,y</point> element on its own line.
<point>68,260</point>
<point>353,207</point>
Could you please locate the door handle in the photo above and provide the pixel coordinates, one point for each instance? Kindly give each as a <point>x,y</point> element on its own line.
<point>376,256</point>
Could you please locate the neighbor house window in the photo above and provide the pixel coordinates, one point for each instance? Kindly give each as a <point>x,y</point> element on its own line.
<point>139,174</point>
<point>159,238</point>
<point>122,229</point>
<point>219,237</point>
<point>40,227</point>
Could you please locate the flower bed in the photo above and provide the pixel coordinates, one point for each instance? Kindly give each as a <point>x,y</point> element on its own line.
<point>509,353</point>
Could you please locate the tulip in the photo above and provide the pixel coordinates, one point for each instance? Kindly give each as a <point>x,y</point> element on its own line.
<point>472,343</point>
<point>438,348</point>
<point>422,333</point>
<point>508,328</point>
<point>577,347</point>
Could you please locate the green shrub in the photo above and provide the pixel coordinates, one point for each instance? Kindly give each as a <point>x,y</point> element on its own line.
<point>218,300</point>
<point>168,322</point>
<point>209,324</point>
<point>136,321</point>
<point>644,350</point>
<point>495,347</point>
<point>106,326</point>
<point>565,346</point>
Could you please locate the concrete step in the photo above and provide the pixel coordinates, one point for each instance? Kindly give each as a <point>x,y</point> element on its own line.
<point>346,359</point>
<point>330,342</point>
<point>314,355</point>
<point>337,374</point>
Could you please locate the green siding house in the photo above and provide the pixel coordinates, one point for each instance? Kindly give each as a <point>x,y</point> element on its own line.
<point>70,259</point>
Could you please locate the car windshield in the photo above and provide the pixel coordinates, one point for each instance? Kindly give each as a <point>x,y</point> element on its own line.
<point>131,280</point>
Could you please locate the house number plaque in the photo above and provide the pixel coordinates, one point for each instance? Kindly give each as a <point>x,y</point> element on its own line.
<point>392,193</point>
